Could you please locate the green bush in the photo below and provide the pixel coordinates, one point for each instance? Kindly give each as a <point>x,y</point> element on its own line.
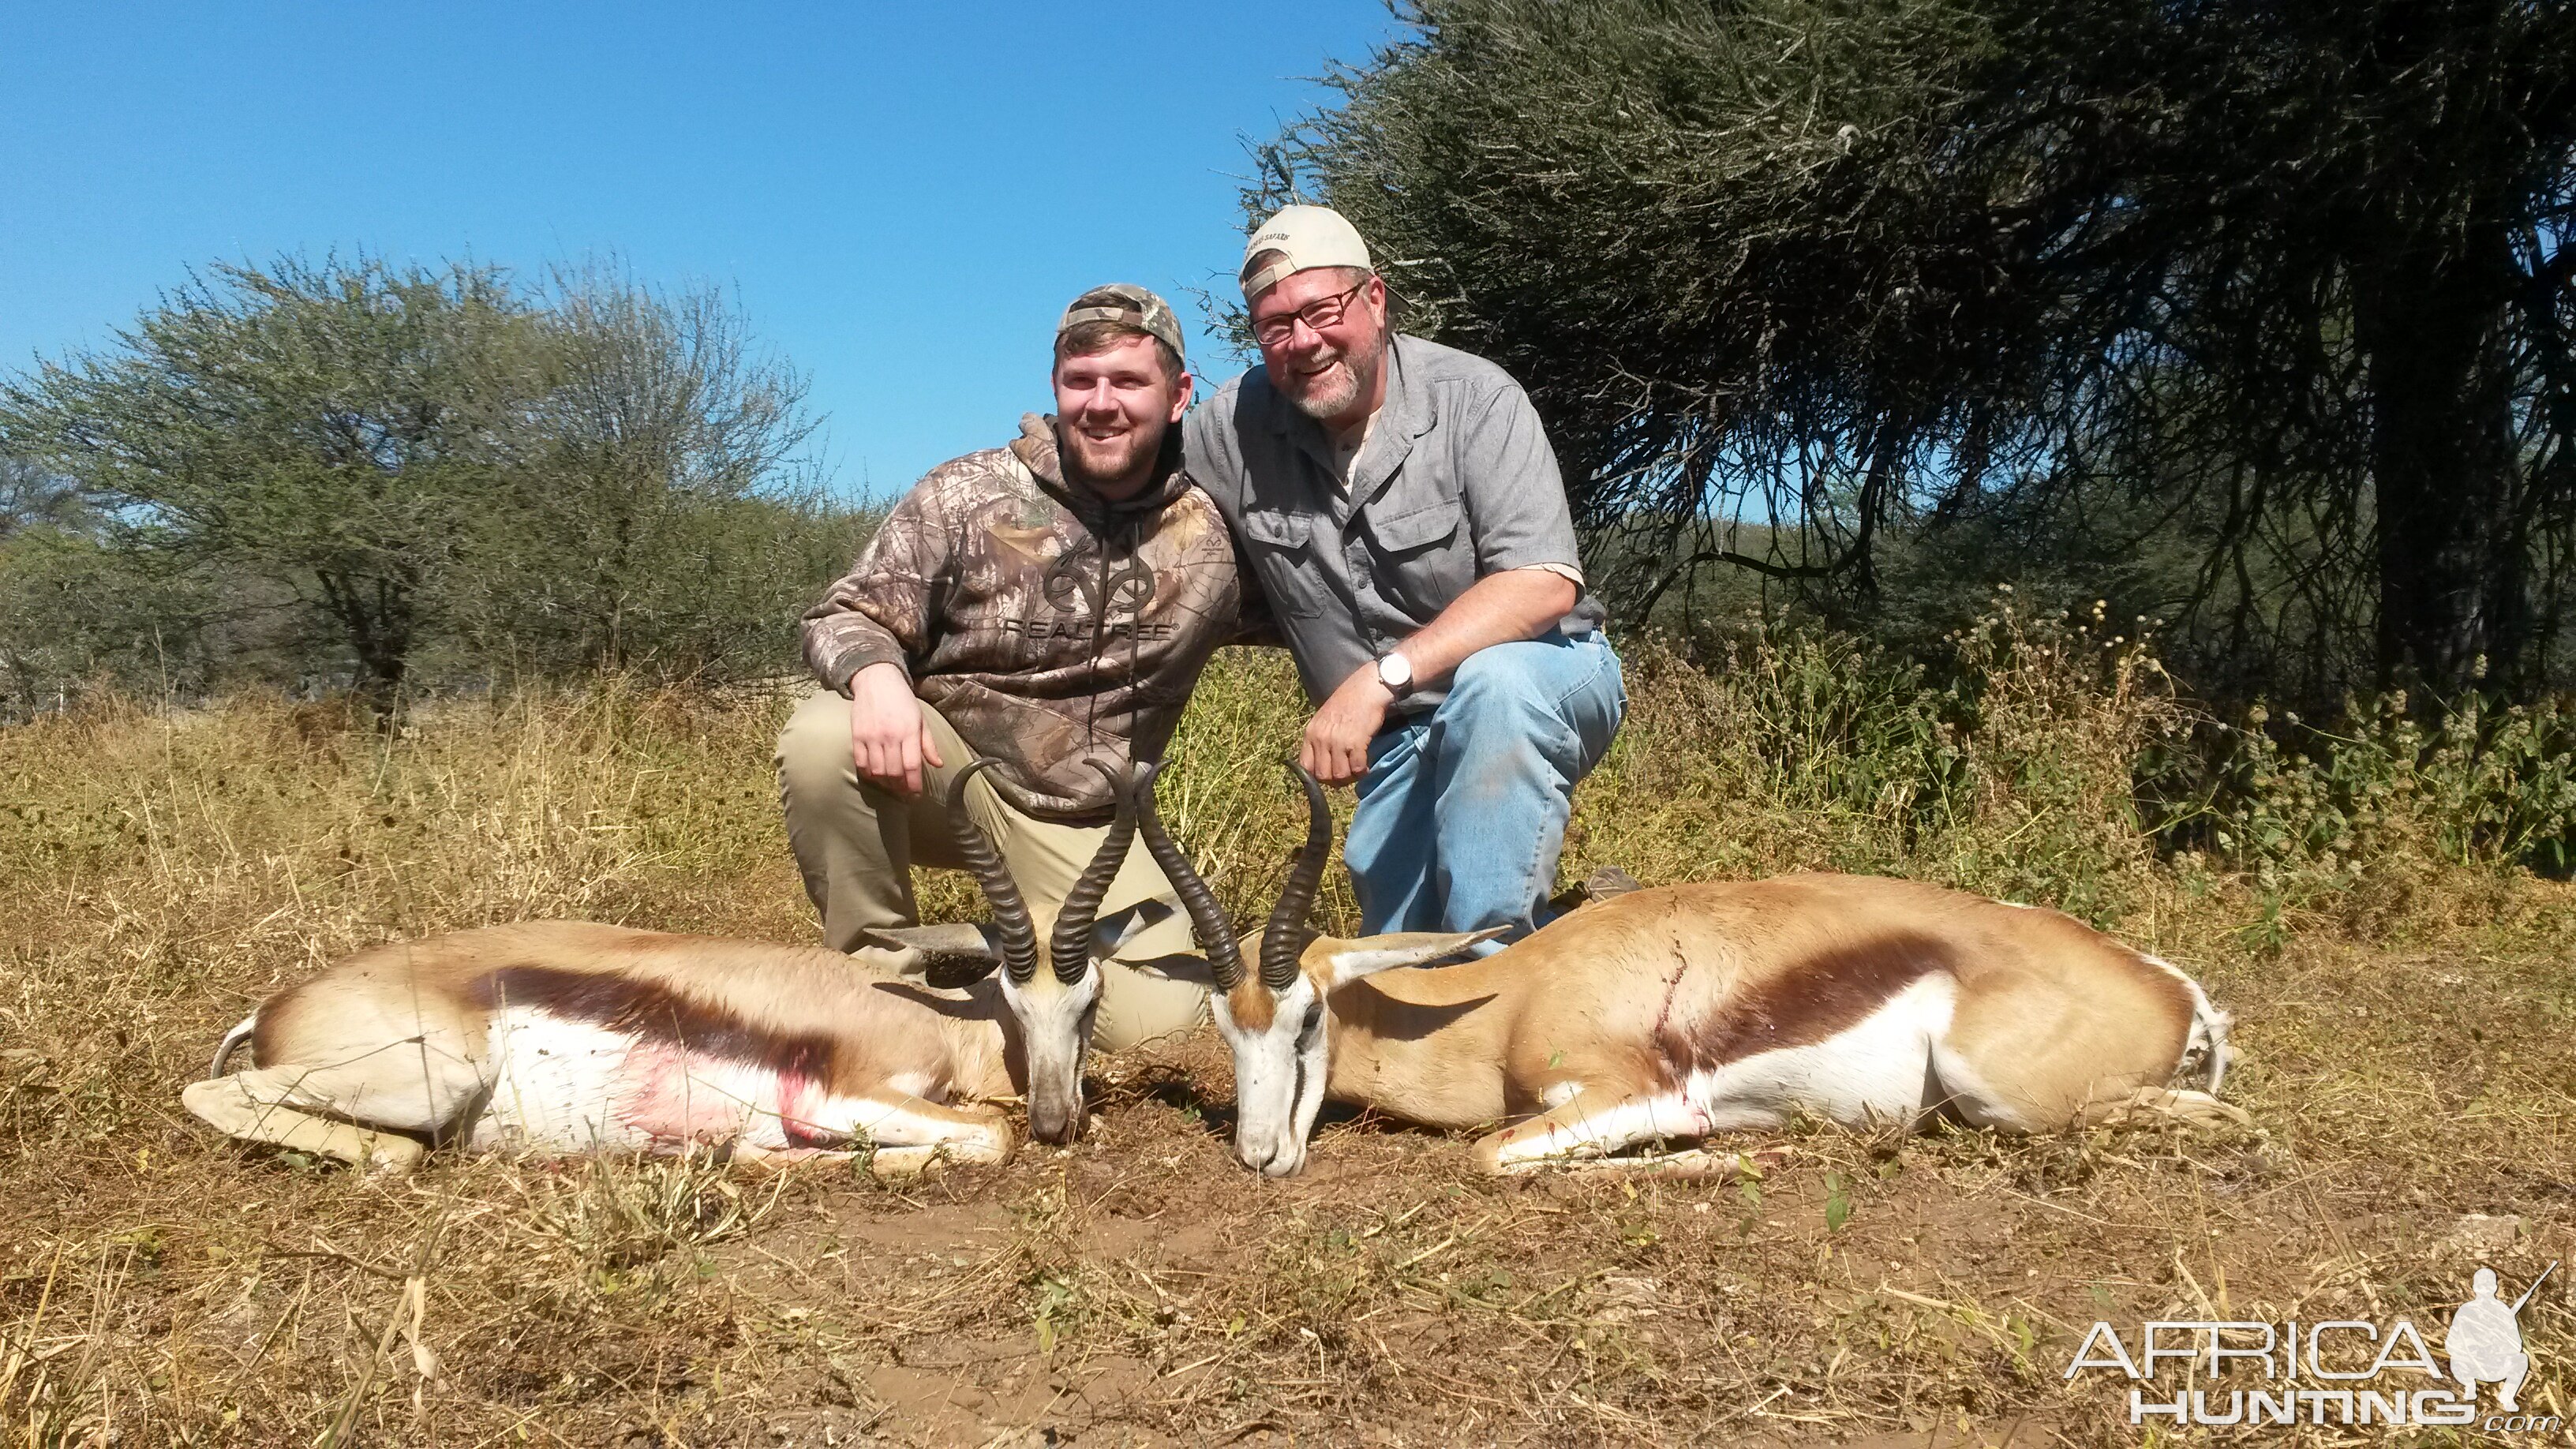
<point>2309,810</point>
<point>2011,771</point>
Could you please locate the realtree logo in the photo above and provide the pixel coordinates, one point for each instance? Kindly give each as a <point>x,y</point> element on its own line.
<point>2345,1371</point>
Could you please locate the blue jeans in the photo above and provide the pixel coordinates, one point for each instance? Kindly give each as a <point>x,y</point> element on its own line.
<point>1462,812</point>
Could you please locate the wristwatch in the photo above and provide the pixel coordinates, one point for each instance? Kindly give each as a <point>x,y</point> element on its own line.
<point>1396,673</point>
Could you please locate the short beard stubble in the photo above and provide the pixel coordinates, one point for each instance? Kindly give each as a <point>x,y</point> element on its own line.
<point>1323,400</point>
<point>1140,452</point>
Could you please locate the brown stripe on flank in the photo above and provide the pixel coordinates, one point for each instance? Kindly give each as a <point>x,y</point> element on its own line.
<point>1809,1001</point>
<point>654,1011</point>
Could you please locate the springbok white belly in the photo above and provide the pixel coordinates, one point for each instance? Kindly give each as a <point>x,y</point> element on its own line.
<point>570,1085</point>
<point>1872,1071</point>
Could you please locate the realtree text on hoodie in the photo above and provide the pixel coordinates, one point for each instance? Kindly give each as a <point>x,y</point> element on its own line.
<point>1049,626</point>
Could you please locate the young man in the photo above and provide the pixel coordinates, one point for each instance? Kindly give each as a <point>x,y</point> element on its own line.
<point>1050,603</point>
<point>1402,511</point>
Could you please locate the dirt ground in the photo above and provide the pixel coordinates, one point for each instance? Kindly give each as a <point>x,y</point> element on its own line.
<point>1140,1288</point>
<point>2405,1057</point>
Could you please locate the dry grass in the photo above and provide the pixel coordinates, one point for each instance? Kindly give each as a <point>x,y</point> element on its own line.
<point>2406,1059</point>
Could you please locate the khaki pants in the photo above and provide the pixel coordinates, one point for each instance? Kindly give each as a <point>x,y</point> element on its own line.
<point>856,843</point>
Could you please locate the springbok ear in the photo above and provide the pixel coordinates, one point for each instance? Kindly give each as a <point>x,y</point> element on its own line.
<point>1369,955</point>
<point>953,973</point>
<point>1178,966</point>
<point>956,939</point>
<point>1112,932</point>
<point>948,958</point>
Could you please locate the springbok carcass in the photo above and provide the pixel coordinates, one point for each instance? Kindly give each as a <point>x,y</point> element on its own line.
<point>568,1036</point>
<point>1677,1013</point>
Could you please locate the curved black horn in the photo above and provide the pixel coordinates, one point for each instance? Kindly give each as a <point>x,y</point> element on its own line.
<point>1070,946</point>
<point>1281,944</point>
<point>1010,913</point>
<point>1207,918</point>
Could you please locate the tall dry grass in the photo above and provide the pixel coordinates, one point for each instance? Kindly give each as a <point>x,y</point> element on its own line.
<point>161,871</point>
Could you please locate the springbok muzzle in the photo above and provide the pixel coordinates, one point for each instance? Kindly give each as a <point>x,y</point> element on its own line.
<point>1054,1015</point>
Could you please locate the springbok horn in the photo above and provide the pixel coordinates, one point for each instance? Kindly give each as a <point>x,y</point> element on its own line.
<point>1285,938</point>
<point>1215,932</point>
<point>1010,913</point>
<point>1071,943</point>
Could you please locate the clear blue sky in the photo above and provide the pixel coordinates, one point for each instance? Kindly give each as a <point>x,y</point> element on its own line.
<point>903,197</point>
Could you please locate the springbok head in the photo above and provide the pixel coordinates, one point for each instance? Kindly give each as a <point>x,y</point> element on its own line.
<point>1050,979</point>
<point>1274,1020</point>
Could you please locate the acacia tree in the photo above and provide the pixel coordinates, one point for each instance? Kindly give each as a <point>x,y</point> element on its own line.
<point>427,469</point>
<point>664,520</point>
<point>32,498</point>
<point>329,428</point>
<point>2292,274</point>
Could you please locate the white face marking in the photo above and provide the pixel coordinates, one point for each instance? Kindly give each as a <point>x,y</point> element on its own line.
<point>1055,1030</point>
<point>1279,1079</point>
<point>1280,1073</point>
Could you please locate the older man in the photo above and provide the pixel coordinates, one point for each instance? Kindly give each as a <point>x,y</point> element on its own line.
<point>1051,603</point>
<point>1402,510</point>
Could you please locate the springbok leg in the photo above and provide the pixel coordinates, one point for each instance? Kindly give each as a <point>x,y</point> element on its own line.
<point>903,1123</point>
<point>1595,1124</point>
<point>230,1107</point>
<point>885,1163</point>
<point>402,1087</point>
<point>408,1086</point>
<point>2148,1106</point>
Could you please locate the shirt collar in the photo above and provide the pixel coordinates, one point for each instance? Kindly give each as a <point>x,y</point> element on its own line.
<point>1403,412</point>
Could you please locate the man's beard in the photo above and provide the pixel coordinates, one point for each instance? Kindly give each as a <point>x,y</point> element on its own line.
<point>1133,451</point>
<point>1327,395</point>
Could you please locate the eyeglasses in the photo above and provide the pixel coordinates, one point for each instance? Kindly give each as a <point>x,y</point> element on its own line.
<point>1319,314</point>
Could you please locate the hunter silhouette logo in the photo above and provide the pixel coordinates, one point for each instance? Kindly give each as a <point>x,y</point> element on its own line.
<point>2339,1371</point>
<point>2485,1341</point>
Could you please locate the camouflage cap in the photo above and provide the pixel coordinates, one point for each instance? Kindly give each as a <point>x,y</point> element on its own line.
<point>1304,237</point>
<point>1128,306</point>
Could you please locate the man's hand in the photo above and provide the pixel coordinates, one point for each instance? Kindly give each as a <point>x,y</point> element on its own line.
<point>1514,604</point>
<point>1337,738</point>
<point>888,740</point>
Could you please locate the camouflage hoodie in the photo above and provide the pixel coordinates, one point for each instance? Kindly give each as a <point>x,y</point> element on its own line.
<point>1049,626</point>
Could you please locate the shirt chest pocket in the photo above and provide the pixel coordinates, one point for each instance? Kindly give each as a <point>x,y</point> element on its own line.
<point>1416,528</point>
<point>1425,558</point>
<point>1291,576</point>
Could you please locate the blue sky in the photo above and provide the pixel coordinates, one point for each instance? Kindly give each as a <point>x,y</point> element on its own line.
<point>902,197</point>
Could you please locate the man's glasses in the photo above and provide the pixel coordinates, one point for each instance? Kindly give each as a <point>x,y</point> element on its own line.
<point>1319,314</point>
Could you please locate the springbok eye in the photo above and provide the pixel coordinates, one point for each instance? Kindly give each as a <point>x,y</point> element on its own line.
<point>1314,1019</point>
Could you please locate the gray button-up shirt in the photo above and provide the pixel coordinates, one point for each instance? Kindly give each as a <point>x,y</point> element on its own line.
<point>1457,481</point>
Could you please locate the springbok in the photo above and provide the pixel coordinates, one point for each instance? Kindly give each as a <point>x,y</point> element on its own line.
<point>570,1036</point>
<point>1684,1011</point>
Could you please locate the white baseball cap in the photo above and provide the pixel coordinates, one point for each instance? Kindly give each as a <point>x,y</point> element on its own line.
<point>1304,237</point>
